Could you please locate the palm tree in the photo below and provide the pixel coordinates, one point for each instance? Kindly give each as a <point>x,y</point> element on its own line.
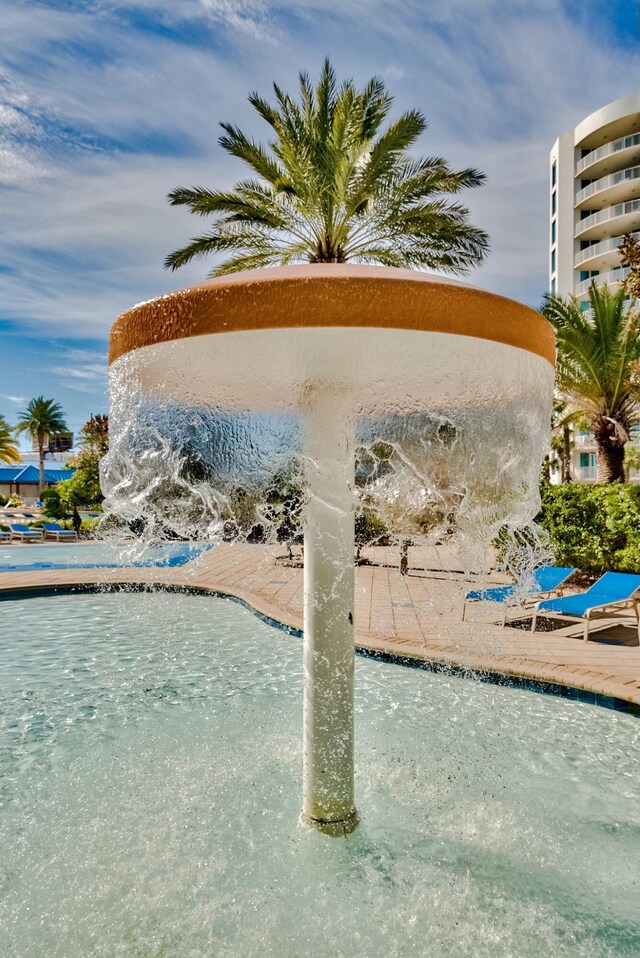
<point>8,445</point>
<point>597,369</point>
<point>331,187</point>
<point>43,418</point>
<point>562,441</point>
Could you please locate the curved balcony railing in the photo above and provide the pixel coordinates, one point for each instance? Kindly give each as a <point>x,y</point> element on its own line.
<point>633,173</point>
<point>601,216</point>
<point>599,249</point>
<point>612,276</point>
<point>584,440</point>
<point>625,143</point>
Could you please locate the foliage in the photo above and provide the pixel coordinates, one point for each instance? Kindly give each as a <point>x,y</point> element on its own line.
<point>42,418</point>
<point>284,503</point>
<point>368,528</point>
<point>52,504</point>
<point>594,527</point>
<point>332,186</point>
<point>3,500</point>
<point>630,256</point>
<point>83,489</point>
<point>8,443</point>
<point>597,369</point>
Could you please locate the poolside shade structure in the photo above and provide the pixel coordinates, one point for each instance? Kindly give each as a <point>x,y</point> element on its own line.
<point>315,364</point>
<point>23,479</point>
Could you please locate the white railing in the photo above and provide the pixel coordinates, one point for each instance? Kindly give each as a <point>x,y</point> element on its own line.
<point>620,209</point>
<point>612,276</point>
<point>607,150</point>
<point>599,249</point>
<point>585,473</point>
<point>607,181</point>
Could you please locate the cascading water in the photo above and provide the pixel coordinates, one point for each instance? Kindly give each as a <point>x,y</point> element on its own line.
<point>425,402</point>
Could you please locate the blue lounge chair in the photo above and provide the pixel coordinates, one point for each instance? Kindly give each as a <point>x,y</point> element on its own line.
<point>545,581</point>
<point>613,591</point>
<point>52,530</point>
<point>25,533</point>
<point>4,535</point>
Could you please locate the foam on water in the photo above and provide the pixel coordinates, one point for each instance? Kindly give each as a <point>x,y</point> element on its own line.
<point>150,786</point>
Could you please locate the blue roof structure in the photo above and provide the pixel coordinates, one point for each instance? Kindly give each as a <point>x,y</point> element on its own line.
<point>29,474</point>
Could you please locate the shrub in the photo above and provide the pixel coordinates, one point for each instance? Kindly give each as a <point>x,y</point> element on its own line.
<point>368,528</point>
<point>596,528</point>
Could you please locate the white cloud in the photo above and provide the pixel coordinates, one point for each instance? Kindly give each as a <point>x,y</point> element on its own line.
<point>86,225</point>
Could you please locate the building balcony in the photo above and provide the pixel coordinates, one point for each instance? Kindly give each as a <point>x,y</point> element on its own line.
<point>585,441</point>
<point>601,255</point>
<point>613,276</point>
<point>616,187</point>
<point>611,157</point>
<point>614,220</point>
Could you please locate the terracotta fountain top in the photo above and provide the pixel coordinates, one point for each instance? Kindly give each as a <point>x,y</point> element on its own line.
<point>332,295</point>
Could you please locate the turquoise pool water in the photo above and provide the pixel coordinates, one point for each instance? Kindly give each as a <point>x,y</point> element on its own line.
<point>150,764</point>
<point>95,554</point>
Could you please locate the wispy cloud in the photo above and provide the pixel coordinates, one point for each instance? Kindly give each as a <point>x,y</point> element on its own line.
<point>18,400</point>
<point>106,106</point>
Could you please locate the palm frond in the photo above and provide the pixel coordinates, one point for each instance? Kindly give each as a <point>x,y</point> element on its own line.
<point>333,185</point>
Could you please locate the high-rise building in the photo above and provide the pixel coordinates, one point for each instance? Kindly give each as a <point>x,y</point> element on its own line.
<point>594,174</point>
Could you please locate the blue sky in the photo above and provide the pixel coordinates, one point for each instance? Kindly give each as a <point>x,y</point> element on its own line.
<point>105,106</point>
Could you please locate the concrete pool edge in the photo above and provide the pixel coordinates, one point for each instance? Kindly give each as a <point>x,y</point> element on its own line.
<point>527,680</point>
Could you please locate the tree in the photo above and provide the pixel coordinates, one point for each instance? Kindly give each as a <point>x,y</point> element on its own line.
<point>562,441</point>
<point>597,369</point>
<point>332,186</point>
<point>42,419</point>
<point>8,444</point>
<point>83,489</point>
<point>630,257</point>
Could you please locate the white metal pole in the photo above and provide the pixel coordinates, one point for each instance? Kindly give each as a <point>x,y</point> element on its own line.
<point>328,788</point>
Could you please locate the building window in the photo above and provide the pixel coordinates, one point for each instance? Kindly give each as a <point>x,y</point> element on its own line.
<point>553,203</point>
<point>588,463</point>
<point>553,231</point>
<point>553,286</point>
<point>584,305</point>
<point>553,175</point>
<point>553,261</point>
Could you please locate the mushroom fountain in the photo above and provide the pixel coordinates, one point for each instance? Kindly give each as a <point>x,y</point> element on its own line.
<point>317,362</point>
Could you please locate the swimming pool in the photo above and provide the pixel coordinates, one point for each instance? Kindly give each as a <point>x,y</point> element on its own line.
<point>88,555</point>
<point>150,785</point>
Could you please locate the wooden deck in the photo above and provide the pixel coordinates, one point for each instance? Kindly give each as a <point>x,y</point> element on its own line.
<point>417,616</point>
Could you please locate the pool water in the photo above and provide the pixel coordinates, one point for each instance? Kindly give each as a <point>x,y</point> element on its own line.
<point>96,555</point>
<point>150,772</point>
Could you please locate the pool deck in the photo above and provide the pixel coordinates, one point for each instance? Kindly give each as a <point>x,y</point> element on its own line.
<point>417,616</point>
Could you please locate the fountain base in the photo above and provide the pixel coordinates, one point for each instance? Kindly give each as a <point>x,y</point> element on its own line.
<point>335,829</point>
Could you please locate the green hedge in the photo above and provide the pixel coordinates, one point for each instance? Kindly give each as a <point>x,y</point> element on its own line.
<point>596,528</point>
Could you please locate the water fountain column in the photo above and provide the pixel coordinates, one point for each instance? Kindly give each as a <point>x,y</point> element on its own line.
<point>328,739</point>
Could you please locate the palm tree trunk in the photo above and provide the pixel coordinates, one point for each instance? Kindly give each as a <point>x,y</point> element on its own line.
<point>609,462</point>
<point>41,483</point>
<point>566,455</point>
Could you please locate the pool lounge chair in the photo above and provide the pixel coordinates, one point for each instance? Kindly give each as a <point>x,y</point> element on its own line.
<point>4,536</point>
<point>25,533</point>
<point>613,592</point>
<point>52,530</point>
<point>546,580</point>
